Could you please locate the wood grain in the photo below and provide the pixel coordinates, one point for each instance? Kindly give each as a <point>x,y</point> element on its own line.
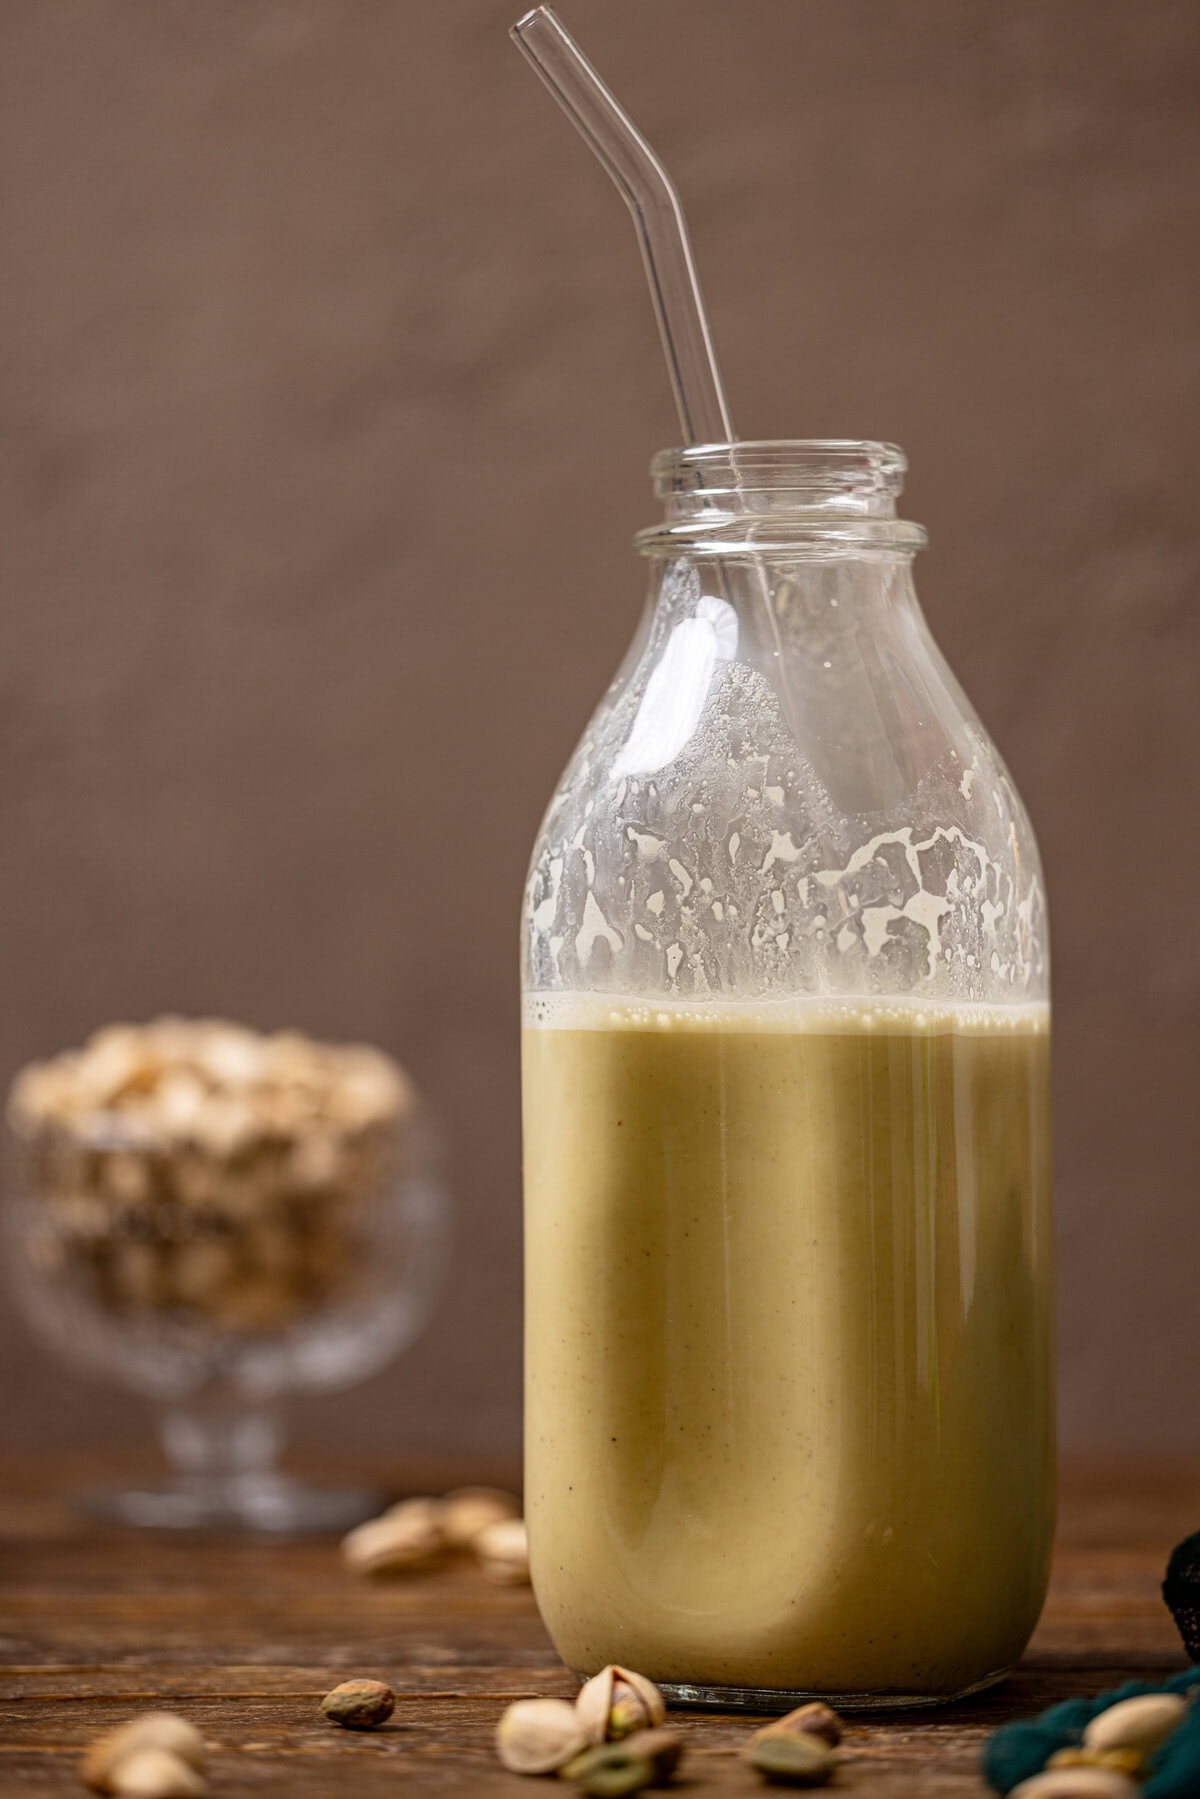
<point>245,1637</point>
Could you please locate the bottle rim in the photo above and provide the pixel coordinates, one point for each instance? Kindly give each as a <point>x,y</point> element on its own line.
<point>832,495</point>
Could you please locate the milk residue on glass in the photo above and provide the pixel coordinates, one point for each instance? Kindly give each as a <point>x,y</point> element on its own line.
<point>736,868</point>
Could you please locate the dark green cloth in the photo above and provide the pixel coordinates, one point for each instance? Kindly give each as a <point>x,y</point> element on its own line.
<point>1181,1590</point>
<point>1019,1751</point>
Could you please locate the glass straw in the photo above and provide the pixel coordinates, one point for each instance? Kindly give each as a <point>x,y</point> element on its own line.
<point>650,195</point>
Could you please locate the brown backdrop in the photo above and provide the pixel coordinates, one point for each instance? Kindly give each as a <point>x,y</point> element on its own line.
<point>329,382</point>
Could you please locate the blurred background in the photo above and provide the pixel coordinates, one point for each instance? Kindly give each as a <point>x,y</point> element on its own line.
<point>329,382</point>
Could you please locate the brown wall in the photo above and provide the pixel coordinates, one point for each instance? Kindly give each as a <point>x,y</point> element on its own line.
<point>329,383</point>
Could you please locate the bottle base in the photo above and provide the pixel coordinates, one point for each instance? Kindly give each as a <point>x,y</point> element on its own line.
<point>775,1699</point>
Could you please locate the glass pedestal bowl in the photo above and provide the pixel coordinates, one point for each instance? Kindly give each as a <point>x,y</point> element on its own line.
<point>219,1270</point>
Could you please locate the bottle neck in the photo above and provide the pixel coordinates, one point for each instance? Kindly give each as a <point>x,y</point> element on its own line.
<point>820,498</point>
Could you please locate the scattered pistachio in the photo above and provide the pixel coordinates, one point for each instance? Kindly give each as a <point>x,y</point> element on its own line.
<point>503,1551</point>
<point>664,1748</point>
<point>1077,1783</point>
<point>359,1704</point>
<point>1141,1723</point>
<point>788,1759</point>
<point>468,1510</point>
<point>405,1535</point>
<point>156,1774</point>
<point>616,1702</point>
<point>539,1736</point>
<point>814,1720</point>
<point>152,1730</point>
<point>611,1770</point>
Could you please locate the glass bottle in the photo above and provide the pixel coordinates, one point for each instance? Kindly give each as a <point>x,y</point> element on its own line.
<point>787,1126</point>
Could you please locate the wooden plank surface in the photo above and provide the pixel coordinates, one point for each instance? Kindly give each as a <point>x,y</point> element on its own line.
<point>245,1636</point>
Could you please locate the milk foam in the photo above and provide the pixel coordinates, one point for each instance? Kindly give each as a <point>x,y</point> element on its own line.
<point>809,1012</point>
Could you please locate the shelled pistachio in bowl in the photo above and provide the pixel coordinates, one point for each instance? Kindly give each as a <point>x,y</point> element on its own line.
<point>199,1168</point>
<point>219,1218</point>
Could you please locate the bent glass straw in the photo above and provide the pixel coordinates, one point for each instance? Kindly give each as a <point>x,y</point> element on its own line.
<point>650,195</point>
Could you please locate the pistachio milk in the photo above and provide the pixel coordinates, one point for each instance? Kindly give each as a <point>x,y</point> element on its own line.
<point>789,1416</point>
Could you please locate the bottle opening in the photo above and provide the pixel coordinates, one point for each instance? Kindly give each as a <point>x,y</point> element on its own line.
<point>829,491</point>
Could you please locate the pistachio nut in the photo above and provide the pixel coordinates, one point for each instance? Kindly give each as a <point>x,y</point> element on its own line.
<point>814,1720</point>
<point>503,1551</point>
<point>156,1774</point>
<point>636,1701</point>
<point>1125,1761</point>
<point>468,1510</point>
<point>788,1759</point>
<point>610,1770</point>
<point>406,1535</point>
<point>1077,1783</point>
<point>1141,1723</point>
<point>359,1704</point>
<point>152,1730</point>
<point>539,1736</point>
<point>628,1713</point>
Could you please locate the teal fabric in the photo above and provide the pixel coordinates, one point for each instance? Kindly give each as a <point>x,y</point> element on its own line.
<point>1175,1770</point>
<point>1018,1751</point>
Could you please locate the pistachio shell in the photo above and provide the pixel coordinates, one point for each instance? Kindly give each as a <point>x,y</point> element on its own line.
<point>406,1535</point>
<point>1141,1723</point>
<point>647,1692</point>
<point>609,1771</point>
<point>790,1759</point>
<point>359,1704</point>
<point>504,1574</point>
<point>662,1747</point>
<point>538,1736</point>
<point>503,1551</point>
<point>593,1704</point>
<point>468,1510</point>
<point>616,1702</point>
<point>156,1774</point>
<point>814,1720</point>
<point>153,1730</point>
<point>1076,1783</point>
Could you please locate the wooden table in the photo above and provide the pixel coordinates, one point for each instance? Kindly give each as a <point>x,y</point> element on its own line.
<point>245,1637</point>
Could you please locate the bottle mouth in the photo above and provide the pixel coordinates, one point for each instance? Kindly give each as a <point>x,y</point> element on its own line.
<point>781,493</point>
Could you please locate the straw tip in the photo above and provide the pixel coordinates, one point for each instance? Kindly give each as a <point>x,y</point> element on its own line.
<point>532,17</point>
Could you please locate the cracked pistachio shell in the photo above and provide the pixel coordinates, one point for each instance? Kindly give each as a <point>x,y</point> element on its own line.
<point>538,1736</point>
<point>153,1730</point>
<point>1141,1723</point>
<point>596,1699</point>
<point>406,1535</point>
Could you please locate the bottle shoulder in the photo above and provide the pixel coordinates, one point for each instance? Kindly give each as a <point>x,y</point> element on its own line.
<point>785,792</point>
<point>735,871</point>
